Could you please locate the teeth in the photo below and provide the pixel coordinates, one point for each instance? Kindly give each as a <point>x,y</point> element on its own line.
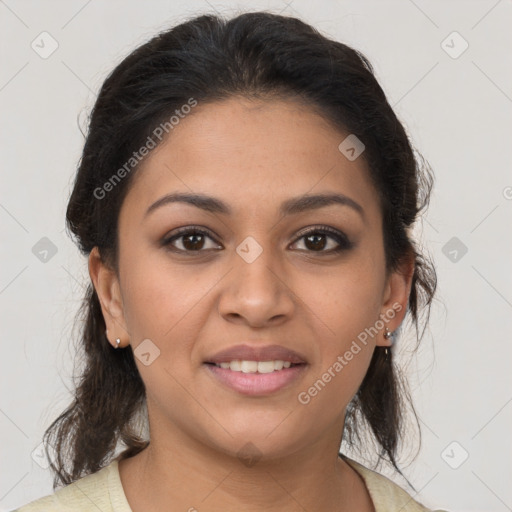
<point>235,366</point>
<point>265,366</point>
<point>249,366</point>
<point>255,366</point>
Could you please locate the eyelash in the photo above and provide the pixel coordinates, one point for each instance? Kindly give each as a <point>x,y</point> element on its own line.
<point>341,239</point>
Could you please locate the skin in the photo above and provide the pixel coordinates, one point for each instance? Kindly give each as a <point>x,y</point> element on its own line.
<point>192,305</point>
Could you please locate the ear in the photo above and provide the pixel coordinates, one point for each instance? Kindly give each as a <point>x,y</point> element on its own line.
<point>396,297</point>
<point>106,284</point>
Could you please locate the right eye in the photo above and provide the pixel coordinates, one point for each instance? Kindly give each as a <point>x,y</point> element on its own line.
<point>191,239</point>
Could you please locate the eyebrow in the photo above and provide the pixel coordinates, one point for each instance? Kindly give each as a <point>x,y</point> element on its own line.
<point>291,206</point>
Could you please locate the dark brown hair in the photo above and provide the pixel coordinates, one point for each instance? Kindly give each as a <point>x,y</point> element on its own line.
<point>209,59</point>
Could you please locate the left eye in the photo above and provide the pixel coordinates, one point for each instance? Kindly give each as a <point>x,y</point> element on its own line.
<point>316,239</point>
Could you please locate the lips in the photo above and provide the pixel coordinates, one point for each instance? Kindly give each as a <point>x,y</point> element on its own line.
<point>251,353</point>
<point>256,370</point>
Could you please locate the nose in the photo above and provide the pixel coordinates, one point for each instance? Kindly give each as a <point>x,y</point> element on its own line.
<point>256,294</point>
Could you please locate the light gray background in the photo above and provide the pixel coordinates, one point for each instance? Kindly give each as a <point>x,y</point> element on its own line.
<point>458,113</point>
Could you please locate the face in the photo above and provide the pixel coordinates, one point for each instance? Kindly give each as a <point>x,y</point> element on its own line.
<point>256,266</point>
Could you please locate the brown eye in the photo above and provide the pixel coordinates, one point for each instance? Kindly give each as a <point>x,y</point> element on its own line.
<point>193,242</point>
<point>317,240</point>
<point>189,240</point>
<point>324,240</point>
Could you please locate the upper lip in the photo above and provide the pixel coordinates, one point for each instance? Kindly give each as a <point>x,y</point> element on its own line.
<point>259,353</point>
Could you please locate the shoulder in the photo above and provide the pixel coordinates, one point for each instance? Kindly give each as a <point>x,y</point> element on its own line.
<point>385,494</point>
<point>88,494</point>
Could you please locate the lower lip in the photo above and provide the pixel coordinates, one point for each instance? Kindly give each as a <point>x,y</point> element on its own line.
<point>256,384</point>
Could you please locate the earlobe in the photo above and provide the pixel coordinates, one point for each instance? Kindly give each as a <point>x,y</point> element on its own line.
<point>395,300</point>
<point>107,288</point>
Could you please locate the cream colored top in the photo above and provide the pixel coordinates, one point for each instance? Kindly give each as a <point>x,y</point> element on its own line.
<point>103,491</point>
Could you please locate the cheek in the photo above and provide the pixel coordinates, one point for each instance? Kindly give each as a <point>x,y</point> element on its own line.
<point>158,297</point>
<point>347,307</point>
<point>346,301</point>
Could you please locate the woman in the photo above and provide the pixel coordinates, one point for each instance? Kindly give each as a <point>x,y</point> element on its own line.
<point>245,198</point>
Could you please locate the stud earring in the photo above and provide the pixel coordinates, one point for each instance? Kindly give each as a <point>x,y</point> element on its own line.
<point>118,340</point>
<point>388,334</point>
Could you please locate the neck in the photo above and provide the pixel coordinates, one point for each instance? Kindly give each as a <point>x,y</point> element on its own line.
<point>178,473</point>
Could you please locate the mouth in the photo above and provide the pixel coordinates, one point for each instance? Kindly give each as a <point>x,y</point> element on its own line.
<point>244,366</point>
<point>255,378</point>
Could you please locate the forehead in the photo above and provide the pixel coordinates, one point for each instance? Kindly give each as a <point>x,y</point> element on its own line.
<point>251,153</point>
